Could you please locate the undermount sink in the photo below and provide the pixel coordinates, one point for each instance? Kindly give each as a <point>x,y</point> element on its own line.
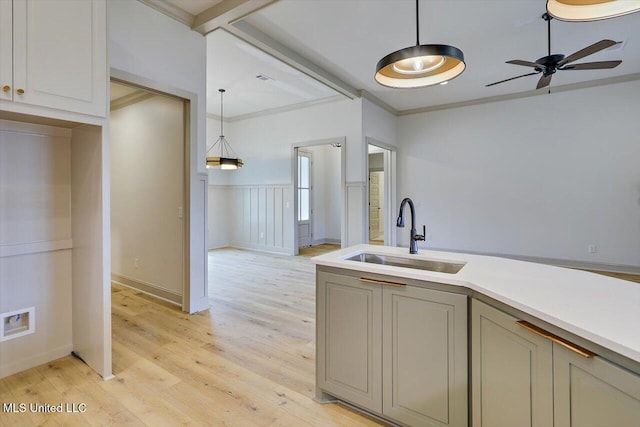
<point>396,261</point>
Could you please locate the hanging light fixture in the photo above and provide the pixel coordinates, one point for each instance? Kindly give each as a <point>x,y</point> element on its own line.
<point>227,158</point>
<point>420,65</point>
<point>590,10</point>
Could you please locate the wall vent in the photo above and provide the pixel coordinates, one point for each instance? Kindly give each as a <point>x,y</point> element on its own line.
<point>17,323</point>
<point>263,77</point>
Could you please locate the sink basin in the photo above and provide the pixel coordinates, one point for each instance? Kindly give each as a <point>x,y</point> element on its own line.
<point>396,261</point>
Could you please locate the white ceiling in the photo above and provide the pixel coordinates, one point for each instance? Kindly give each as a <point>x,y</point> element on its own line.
<point>234,65</point>
<point>347,38</point>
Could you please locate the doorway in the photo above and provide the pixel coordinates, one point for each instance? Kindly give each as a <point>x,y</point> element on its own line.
<point>148,193</point>
<point>319,183</point>
<point>381,194</point>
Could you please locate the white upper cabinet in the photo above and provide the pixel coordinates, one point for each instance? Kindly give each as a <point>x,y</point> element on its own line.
<point>56,54</point>
<point>6,50</point>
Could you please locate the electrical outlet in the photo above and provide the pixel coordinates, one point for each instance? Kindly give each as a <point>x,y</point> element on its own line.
<point>262,234</point>
<point>592,248</point>
<point>136,262</point>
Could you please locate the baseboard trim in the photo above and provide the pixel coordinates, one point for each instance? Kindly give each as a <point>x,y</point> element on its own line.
<point>325,241</point>
<point>148,289</point>
<point>261,248</point>
<point>30,362</point>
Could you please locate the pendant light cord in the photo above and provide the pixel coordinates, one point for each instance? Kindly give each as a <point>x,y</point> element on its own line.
<point>417,25</point>
<point>549,35</point>
<point>221,113</point>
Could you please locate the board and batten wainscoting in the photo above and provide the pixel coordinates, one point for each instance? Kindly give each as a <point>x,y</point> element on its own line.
<point>261,216</point>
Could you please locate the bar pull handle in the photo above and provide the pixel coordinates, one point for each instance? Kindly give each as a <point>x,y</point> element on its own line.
<point>556,339</point>
<point>382,282</point>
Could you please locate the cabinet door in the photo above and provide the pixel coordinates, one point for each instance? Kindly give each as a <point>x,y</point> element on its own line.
<point>59,54</point>
<point>6,49</point>
<point>424,356</point>
<point>511,372</point>
<point>593,392</point>
<point>349,340</point>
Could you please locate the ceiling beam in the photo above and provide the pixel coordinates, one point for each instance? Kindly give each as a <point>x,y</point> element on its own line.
<point>226,12</point>
<point>257,38</point>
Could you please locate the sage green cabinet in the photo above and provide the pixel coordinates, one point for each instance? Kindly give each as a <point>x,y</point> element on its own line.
<point>523,378</point>
<point>512,374</point>
<point>349,340</point>
<point>424,360</point>
<point>593,392</point>
<point>406,343</point>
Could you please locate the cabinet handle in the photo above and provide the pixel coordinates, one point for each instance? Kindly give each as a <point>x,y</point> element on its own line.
<point>381,282</point>
<point>20,91</point>
<point>556,339</point>
<point>6,88</point>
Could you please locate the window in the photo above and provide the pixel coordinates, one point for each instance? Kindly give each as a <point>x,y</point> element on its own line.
<point>304,187</point>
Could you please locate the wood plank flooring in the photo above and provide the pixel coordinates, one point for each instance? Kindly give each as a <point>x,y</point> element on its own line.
<point>249,361</point>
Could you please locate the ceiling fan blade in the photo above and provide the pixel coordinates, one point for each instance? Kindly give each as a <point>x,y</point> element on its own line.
<point>512,78</point>
<point>544,81</point>
<point>589,50</point>
<point>524,63</point>
<point>592,65</point>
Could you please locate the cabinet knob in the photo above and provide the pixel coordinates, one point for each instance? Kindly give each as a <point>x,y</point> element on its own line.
<point>20,91</point>
<point>6,88</point>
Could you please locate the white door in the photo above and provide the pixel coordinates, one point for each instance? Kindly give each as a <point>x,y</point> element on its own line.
<point>376,206</point>
<point>305,212</point>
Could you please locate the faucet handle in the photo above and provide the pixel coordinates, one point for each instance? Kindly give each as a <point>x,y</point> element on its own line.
<point>422,236</point>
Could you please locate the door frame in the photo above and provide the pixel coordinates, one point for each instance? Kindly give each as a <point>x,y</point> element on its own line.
<point>390,155</point>
<point>189,100</point>
<point>342,141</point>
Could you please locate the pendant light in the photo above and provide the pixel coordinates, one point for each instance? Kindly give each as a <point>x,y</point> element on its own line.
<point>590,10</point>
<point>420,65</point>
<point>227,159</point>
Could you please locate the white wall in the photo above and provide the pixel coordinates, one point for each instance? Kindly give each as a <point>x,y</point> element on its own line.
<point>35,240</point>
<point>543,176</point>
<point>379,124</point>
<point>326,194</point>
<point>265,144</point>
<point>147,189</point>
<point>154,47</point>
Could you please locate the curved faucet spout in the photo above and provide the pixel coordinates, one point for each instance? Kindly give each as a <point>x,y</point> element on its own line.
<point>413,244</point>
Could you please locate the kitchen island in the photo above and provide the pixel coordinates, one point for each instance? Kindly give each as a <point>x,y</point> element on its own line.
<point>546,344</point>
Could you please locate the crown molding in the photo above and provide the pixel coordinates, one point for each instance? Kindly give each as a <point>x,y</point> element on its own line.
<point>379,102</point>
<point>277,110</point>
<point>171,11</point>
<point>526,94</point>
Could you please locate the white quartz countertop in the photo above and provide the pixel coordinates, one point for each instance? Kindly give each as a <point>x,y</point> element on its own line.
<point>601,309</point>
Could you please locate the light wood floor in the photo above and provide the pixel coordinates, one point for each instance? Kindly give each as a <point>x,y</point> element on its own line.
<point>249,361</point>
<point>312,251</point>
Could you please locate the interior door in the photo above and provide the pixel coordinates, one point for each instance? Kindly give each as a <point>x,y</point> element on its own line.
<point>305,212</point>
<point>376,206</point>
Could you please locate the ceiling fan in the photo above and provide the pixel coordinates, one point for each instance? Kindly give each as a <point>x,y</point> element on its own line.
<point>548,65</point>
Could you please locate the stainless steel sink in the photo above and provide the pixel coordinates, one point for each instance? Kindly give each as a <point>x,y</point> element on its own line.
<point>396,261</point>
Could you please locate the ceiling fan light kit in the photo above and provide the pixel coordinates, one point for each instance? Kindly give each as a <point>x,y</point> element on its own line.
<point>590,10</point>
<point>227,160</point>
<point>420,65</point>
